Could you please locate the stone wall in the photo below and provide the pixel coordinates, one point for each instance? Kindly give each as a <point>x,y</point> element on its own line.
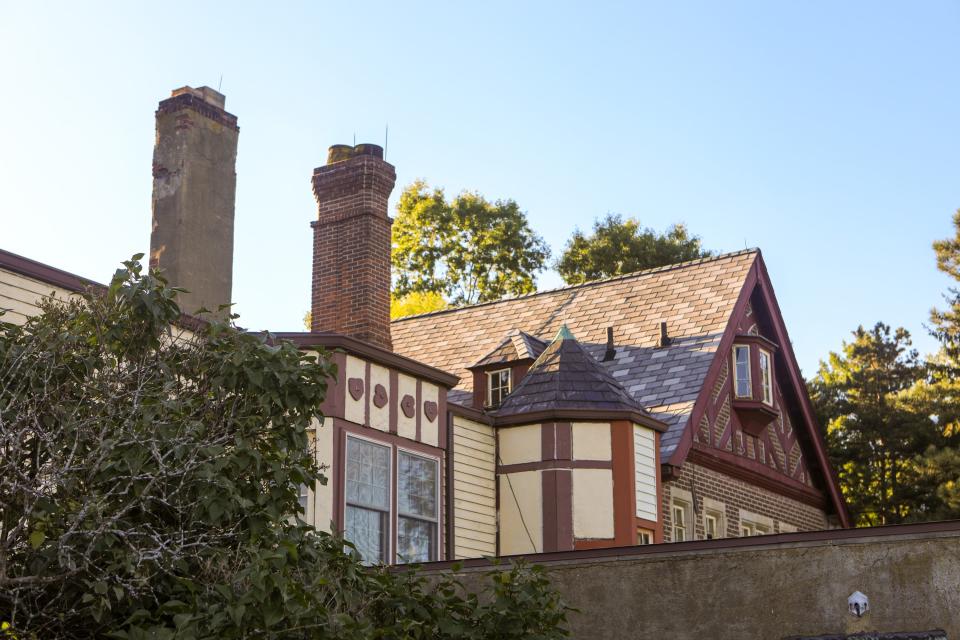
<point>768,587</point>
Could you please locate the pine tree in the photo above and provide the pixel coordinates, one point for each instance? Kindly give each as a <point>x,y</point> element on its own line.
<point>874,434</point>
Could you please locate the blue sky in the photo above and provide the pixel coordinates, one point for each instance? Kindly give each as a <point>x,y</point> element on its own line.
<point>824,133</point>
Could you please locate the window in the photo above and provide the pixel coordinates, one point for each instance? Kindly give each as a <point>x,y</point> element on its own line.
<point>417,508</point>
<point>679,512</point>
<point>644,536</point>
<point>711,526</point>
<point>755,527</point>
<point>367,493</point>
<point>741,368</point>
<point>498,386</point>
<point>369,515</point>
<point>766,379</point>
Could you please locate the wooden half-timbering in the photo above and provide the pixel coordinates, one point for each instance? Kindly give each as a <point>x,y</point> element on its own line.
<point>392,409</point>
<point>576,485</point>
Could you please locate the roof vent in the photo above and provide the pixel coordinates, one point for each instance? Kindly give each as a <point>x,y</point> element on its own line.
<point>664,339</point>
<point>609,354</point>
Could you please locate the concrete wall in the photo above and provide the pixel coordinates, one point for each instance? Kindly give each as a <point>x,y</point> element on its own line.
<point>766,587</point>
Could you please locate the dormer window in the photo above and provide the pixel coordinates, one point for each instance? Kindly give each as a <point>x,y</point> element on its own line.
<point>498,386</point>
<point>753,395</point>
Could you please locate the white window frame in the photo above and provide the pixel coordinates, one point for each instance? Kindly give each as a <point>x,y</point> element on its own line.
<point>736,378</point>
<point>391,475</point>
<point>717,511</point>
<point>644,536</point>
<point>753,524</point>
<point>708,518</point>
<point>436,521</point>
<point>766,377</point>
<point>503,394</point>
<point>681,506</point>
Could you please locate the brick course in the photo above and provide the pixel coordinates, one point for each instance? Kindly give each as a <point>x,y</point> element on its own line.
<point>351,247</point>
<point>735,495</point>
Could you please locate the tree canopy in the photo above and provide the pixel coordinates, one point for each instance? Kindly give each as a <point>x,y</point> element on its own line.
<point>874,434</point>
<point>149,482</point>
<point>892,420</point>
<point>466,249</point>
<point>618,246</point>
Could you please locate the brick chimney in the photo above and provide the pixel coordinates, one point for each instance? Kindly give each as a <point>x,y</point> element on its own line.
<point>351,244</point>
<point>194,186</point>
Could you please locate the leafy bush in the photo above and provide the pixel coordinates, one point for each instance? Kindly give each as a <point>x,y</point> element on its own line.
<point>148,473</point>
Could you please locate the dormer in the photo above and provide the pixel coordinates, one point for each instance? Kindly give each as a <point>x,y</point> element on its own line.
<point>497,373</point>
<point>752,364</point>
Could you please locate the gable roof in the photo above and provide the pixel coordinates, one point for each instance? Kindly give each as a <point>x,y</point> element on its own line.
<point>565,377</point>
<point>695,299</point>
<point>516,345</point>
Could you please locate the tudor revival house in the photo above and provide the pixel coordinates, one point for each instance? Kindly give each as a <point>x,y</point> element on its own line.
<point>659,406</point>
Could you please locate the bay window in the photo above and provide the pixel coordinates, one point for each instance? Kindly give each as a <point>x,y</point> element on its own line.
<point>372,521</point>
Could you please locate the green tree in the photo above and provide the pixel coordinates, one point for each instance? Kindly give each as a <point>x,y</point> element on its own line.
<point>875,433</point>
<point>149,479</point>
<point>467,249</point>
<point>619,246</point>
<point>415,303</point>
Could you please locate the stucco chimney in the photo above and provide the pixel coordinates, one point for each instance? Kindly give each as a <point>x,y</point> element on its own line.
<point>351,244</point>
<point>194,187</point>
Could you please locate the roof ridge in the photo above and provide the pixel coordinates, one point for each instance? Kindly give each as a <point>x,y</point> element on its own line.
<point>570,287</point>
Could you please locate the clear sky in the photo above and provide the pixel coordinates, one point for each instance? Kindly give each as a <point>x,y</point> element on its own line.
<point>826,133</point>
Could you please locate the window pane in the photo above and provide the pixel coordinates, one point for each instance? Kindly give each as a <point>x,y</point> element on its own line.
<point>417,486</point>
<point>368,474</point>
<point>765,377</point>
<point>366,529</point>
<point>742,371</point>
<point>415,540</point>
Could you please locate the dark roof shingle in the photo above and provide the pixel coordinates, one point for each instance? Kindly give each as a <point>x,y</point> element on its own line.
<point>695,299</point>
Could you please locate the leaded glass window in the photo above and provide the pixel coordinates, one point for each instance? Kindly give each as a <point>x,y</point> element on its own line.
<point>417,484</point>
<point>367,492</point>
<point>741,365</point>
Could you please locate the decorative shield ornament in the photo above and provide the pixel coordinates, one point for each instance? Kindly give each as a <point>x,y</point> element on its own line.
<point>379,396</point>
<point>355,386</point>
<point>408,405</point>
<point>430,410</point>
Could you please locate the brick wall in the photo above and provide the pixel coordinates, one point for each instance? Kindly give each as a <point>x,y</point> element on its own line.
<point>735,495</point>
<point>351,246</point>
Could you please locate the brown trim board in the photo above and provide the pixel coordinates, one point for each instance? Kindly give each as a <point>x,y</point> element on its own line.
<point>544,465</point>
<point>371,352</point>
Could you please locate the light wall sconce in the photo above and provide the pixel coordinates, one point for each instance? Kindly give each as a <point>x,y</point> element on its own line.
<point>858,604</point>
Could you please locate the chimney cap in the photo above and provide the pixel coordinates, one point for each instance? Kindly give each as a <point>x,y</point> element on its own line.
<point>341,152</point>
<point>208,95</point>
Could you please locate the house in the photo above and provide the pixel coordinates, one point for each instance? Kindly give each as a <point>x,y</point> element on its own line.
<point>660,406</point>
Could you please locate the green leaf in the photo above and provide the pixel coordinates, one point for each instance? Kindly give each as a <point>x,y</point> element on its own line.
<point>37,537</point>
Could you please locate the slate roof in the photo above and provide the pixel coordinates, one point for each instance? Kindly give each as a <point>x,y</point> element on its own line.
<point>565,376</point>
<point>696,299</point>
<point>516,345</point>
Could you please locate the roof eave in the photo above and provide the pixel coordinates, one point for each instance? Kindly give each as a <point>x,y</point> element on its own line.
<point>579,415</point>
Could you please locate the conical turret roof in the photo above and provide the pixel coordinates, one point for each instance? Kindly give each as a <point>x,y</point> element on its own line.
<point>567,378</point>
